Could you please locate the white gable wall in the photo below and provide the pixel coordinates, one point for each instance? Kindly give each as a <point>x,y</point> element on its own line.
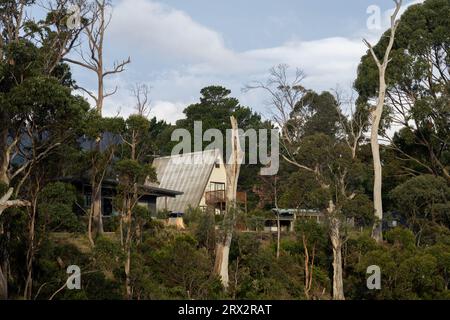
<point>191,177</point>
<point>218,175</point>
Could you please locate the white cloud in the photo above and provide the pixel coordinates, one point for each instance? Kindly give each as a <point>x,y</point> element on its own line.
<point>195,56</point>
<point>168,111</point>
<point>157,28</point>
<point>201,57</point>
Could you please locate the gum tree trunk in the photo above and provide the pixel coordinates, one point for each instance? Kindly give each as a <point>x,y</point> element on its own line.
<point>377,231</point>
<point>335,237</point>
<point>233,169</point>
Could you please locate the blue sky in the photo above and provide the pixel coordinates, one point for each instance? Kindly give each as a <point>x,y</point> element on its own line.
<point>179,46</point>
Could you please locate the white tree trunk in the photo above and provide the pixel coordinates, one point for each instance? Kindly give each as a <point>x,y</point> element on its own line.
<point>95,224</point>
<point>335,237</point>
<point>377,232</point>
<point>97,210</point>
<point>232,169</point>
<point>5,203</point>
<point>222,259</point>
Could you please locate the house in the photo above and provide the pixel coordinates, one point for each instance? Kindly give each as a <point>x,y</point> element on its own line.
<point>288,217</point>
<point>200,176</point>
<point>148,195</point>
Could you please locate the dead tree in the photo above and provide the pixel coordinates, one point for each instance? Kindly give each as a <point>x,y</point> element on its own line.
<point>232,170</point>
<point>92,59</point>
<point>309,266</point>
<point>141,93</point>
<point>286,97</point>
<point>355,126</point>
<point>376,113</point>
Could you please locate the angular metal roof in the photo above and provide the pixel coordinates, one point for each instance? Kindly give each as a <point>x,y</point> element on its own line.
<point>188,173</point>
<point>147,189</point>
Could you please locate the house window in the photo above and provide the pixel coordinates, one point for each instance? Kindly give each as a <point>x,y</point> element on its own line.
<point>87,200</point>
<point>107,207</point>
<point>217,186</point>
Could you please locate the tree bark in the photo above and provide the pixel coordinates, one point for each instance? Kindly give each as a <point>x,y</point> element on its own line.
<point>222,259</point>
<point>309,267</point>
<point>278,235</point>
<point>128,267</point>
<point>4,157</point>
<point>31,247</point>
<point>97,210</point>
<point>3,284</point>
<point>335,237</point>
<point>377,232</point>
<point>232,169</point>
<point>5,203</point>
<point>278,218</point>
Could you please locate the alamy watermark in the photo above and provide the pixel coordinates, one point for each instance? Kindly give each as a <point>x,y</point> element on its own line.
<point>374,19</point>
<point>74,280</point>
<point>257,149</point>
<point>74,19</point>
<point>374,280</point>
<point>378,20</point>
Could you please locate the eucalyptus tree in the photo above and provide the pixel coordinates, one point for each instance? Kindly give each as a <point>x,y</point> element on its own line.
<point>376,115</point>
<point>233,168</point>
<point>132,175</point>
<point>39,112</point>
<point>417,89</point>
<point>91,56</point>
<point>319,152</point>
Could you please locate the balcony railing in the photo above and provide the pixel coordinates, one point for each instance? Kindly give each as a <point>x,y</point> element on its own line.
<point>218,197</point>
<point>215,197</point>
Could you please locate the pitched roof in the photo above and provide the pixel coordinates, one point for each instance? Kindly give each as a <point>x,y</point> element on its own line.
<point>147,189</point>
<point>188,173</point>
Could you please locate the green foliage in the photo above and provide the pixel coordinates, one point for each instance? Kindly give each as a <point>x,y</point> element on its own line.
<point>182,271</point>
<point>323,115</point>
<point>193,216</point>
<point>315,236</point>
<point>214,111</point>
<point>407,271</point>
<point>361,209</point>
<point>50,274</point>
<point>56,204</point>
<point>418,90</point>
<point>98,126</point>
<point>401,238</point>
<point>255,219</point>
<point>58,136</point>
<point>256,273</point>
<point>423,199</point>
<point>302,191</point>
<point>108,255</point>
<point>131,172</point>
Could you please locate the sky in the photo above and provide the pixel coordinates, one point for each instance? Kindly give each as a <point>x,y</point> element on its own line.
<point>177,47</point>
